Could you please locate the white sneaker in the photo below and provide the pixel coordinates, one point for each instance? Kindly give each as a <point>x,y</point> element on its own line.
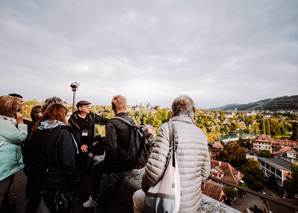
<point>89,203</point>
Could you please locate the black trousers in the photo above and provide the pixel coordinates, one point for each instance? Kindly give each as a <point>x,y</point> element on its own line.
<point>108,186</point>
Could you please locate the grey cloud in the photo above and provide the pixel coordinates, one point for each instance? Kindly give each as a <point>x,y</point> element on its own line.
<point>217,52</point>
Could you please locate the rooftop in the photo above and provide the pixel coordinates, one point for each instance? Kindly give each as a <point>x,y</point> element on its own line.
<point>277,162</point>
<point>230,173</point>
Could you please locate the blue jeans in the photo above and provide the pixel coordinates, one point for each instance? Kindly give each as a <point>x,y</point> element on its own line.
<point>107,189</point>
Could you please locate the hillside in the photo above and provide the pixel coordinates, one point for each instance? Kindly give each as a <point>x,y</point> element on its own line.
<point>280,103</point>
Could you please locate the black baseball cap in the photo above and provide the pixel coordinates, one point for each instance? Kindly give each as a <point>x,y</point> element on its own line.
<point>82,103</point>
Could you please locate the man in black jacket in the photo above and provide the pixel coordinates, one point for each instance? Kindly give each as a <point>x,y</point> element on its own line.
<point>83,123</point>
<point>116,143</point>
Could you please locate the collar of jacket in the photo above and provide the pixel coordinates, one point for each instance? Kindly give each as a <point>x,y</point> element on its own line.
<point>121,114</point>
<point>75,116</point>
<point>182,118</point>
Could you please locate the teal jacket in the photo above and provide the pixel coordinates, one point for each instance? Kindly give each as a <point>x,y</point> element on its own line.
<point>12,135</point>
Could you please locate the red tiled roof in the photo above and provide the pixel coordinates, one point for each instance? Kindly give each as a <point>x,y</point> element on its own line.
<point>263,138</point>
<point>230,173</point>
<point>285,149</point>
<point>213,190</point>
<point>217,145</point>
<point>255,151</point>
<point>285,142</point>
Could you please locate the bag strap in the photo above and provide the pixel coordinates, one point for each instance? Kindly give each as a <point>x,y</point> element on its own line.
<point>172,147</point>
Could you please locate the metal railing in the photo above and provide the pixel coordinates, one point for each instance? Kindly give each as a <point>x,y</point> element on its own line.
<point>267,197</point>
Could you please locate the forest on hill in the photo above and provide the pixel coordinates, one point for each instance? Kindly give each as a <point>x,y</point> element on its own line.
<point>280,103</point>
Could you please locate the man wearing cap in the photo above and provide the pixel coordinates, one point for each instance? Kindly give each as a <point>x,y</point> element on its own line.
<point>83,122</point>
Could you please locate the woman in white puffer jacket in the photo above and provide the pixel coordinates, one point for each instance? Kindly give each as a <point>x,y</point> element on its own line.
<point>192,156</point>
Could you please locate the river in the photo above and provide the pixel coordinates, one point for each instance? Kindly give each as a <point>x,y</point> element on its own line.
<point>236,136</point>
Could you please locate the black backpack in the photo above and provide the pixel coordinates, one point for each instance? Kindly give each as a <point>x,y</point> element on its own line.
<point>140,144</point>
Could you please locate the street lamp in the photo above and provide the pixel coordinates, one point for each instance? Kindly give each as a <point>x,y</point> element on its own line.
<point>34,100</point>
<point>74,87</point>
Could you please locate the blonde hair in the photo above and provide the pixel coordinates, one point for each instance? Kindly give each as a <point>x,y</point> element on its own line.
<point>118,103</point>
<point>9,105</point>
<point>183,105</point>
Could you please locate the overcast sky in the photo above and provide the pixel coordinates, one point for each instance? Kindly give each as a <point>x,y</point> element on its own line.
<point>217,52</point>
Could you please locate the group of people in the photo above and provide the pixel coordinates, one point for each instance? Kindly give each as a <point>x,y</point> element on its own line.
<point>54,150</point>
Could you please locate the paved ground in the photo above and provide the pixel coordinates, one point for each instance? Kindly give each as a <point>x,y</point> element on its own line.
<point>247,201</point>
<point>250,200</point>
<point>17,194</point>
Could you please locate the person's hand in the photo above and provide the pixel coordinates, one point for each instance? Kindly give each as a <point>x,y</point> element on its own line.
<point>19,118</point>
<point>84,148</point>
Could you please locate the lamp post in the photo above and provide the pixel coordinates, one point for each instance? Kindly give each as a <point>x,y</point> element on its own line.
<point>34,100</point>
<point>74,87</point>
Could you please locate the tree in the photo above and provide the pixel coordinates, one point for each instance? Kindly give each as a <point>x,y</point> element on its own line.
<point>267,127</point>
<point>291,183</point>
<point>162,115</point>
<point>295,131</point>
<point>240,192</point>
<point>259,116</point>
<point>282,127</point>
<point>231,192</point>
<point>274,127</point>
<point>234,154</point>
<point>253,175</point>
<point>262,127</point>
<point>265,153</point>
<point>272,183</point>
<point>255,209</point>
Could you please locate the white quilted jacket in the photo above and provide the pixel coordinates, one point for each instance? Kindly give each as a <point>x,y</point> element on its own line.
<point>192,156</point>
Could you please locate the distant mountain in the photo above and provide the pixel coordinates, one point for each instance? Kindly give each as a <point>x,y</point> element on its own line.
<point>280,103</point>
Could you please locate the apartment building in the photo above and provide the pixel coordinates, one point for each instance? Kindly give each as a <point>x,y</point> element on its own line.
<point>275,166</point>
<point>263,142</point>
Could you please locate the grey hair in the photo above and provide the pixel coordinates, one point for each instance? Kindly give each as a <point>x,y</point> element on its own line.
<point>49,101</point>
<point>183,105</point>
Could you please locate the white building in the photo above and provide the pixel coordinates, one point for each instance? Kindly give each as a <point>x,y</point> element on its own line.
<point>275,166</point>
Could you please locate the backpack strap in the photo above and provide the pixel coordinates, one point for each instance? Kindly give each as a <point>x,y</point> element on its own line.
<point>133,124</point>
<point>130,123</point>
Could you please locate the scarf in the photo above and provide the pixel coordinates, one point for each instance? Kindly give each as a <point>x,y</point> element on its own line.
<point>47,125</point>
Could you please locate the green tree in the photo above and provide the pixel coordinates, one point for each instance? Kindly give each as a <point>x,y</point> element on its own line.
<point>262,127</point>
<point>272,183</point>
<point>231,192</point>
<point>267,127</point>
<point>253,175</point>
<point>274,127</point>
<point>240,192</point>
<point>255,209</point>
<point>282,127</point>
<point>162,115</point>
<point>265,153</point>
<point>259,116</point>
<point>291,183</point>
<point>234,154</point>
<point>295,131</point>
